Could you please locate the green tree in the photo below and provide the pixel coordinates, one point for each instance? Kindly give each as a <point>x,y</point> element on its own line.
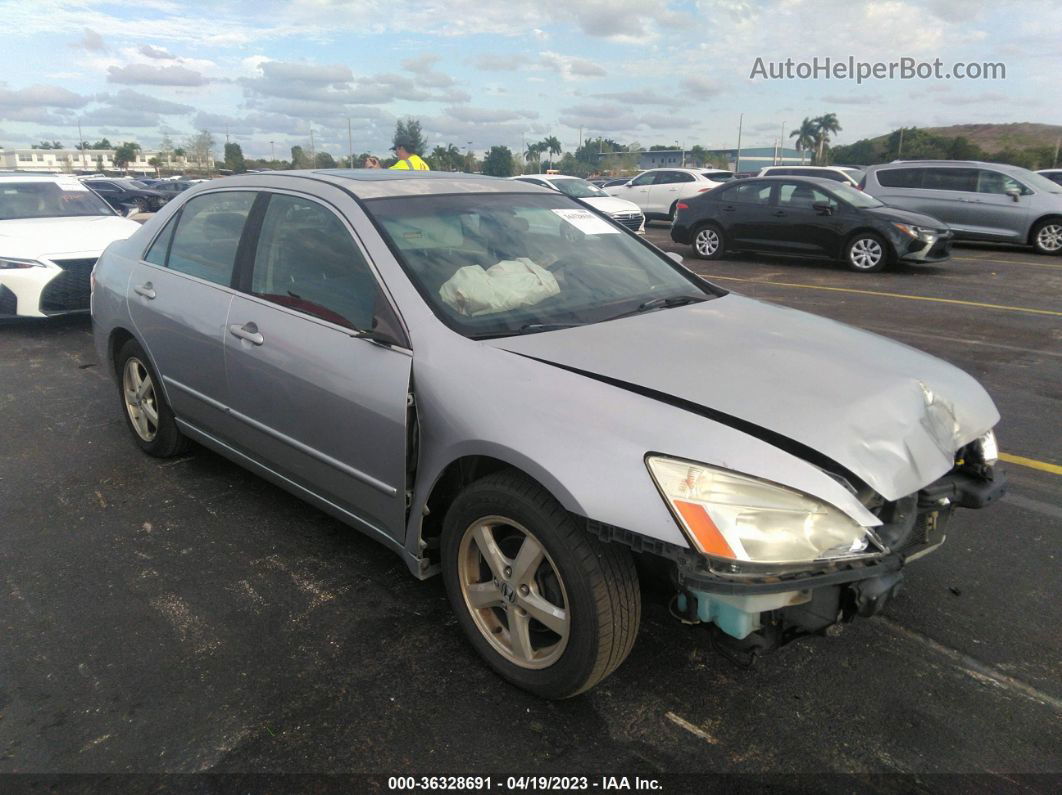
<point>234,158</point>
<point>103,143</point>
<point>125,154</point>
<point>533,153</point>
<point>47,145</point>
<point>410,131</point>
<point>825,126</point>
<point>299,158</point>
<point>325,160</point>
<point>498,162</point>
<point>551,145</point>
<point>155,163</point>
<point>806,135</point>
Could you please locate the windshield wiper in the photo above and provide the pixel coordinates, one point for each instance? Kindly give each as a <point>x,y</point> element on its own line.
<point>530,328</point>
<point>662,303</point>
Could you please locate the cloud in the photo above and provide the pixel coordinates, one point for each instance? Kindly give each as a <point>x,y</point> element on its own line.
<point>489,116</point>
<point>494,62</point>
<point>144,74</point>
<point>987,98</point>
<point>128,99</point>
<point>157,53</point>
<point>41,95</point>
<point>316,74</point>
<point>851,99</point>
<point>646,97</point>
<point>91,41</point>
<point>121,117</point>
<point>570,67</point>
<point>702,87</point>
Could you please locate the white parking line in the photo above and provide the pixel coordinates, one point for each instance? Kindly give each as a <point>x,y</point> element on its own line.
<point>886,331</point>
<point>695,730</point>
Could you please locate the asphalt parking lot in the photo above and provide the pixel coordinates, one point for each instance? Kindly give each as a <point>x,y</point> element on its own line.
<point>183,615</point>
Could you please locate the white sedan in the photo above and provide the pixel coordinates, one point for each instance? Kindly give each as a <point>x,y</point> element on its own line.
<point>658,190</point>
<point>52,231</point>
<point>619,210</point>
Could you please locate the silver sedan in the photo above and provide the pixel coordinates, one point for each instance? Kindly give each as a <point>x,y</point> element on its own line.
<point>510,390</point>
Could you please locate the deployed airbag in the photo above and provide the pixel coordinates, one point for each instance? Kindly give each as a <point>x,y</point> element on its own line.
<point>509,284</point>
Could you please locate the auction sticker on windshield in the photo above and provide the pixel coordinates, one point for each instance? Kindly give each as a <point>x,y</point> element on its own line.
<point>587,223</point>
<point>69,183</point>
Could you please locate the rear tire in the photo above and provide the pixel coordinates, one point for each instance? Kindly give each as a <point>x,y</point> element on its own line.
<point>147,414</point>
<point>1047,237</point>
<point>708,242</point>
<point>866,253</point>
<point>511,554</point>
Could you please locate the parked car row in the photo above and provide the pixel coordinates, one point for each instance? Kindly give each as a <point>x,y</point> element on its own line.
<point>580,401</point>
<point>658,191</point>
<point>621,211</point>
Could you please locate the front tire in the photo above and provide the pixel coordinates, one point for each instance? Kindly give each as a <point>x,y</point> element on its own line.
<point>549,607</point>
<point>1047,237</point>
<point>708,242</point>
<point>866,253</point>
<point>147,414</point>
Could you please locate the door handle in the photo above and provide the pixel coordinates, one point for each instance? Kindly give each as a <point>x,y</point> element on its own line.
<point>248,331</point>
<point>729,208</point>
<point>145,290</point>
<point>778,213</point>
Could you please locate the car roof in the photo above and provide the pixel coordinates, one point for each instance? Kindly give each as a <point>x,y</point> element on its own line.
<point>546,176</point>
<point>941,164</point>
<point>22,176</point>
<point>823,181</point>
<point>817,168</point>
<point>375,183</point>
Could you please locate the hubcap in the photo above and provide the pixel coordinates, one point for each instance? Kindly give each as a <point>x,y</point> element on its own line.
<point>514,592</point>
<point>866,253</point>
<point>1050,237</point>
<point>707,242</point>
<point>140,403</point>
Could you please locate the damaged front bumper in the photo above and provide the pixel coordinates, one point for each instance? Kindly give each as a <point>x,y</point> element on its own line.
<point>761,610</point>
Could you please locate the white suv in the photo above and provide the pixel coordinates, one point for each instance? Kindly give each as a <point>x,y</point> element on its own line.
<point>842,174</point>
<point>658,190</point>
<point>52,230</point>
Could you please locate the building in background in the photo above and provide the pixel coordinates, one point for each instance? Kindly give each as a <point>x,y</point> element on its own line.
<point>88,161</point>
<point>752,159</point>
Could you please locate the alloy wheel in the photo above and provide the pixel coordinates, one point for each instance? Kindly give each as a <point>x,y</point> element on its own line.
<point>1050,237</point>
<point>141,404</point>
<point>706,242</point>
<point>866,253</point>
<point>514,592</point>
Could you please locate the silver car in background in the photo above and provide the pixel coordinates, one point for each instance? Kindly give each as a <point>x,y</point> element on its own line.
<point>979,201</point>
<point>504,387</point>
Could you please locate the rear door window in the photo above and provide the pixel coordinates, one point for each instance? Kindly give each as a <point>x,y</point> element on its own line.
<point>208,235</point>
<point>747,193</point>
<point>900,177</point>
<point>963,180</point>
<point>307,260</point>
<point>156,255</point>
<point>644,179</point>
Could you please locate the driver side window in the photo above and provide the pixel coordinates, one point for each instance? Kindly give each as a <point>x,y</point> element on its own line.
<point>644,179</point>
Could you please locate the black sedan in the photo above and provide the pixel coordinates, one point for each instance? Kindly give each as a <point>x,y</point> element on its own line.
<point>810,216</point>
<point>128,196</point>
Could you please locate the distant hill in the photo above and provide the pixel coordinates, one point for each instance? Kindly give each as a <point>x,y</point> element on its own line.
<point>1022,144</point>
<point>995,137</point>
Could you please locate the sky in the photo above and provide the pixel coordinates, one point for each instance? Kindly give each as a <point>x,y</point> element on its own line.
<point>478,73</point>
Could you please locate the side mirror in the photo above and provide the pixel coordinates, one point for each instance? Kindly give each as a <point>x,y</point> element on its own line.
<point>675,256</point>
<point>1014,194</point>
<point>823,208</point>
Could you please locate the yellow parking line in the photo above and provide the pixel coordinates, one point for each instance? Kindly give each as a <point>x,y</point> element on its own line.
<point>893,295</point>
<point>1020,460</point>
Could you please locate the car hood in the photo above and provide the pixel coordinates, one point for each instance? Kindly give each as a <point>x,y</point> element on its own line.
<point>610,204</point>
<point>33,238</point>
<point>892,415</point>
<point>906,217</point>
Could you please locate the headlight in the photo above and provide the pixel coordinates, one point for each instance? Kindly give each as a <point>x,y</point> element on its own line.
<point>738,517</point>
<point>8,264</point>
<point>918,232</point>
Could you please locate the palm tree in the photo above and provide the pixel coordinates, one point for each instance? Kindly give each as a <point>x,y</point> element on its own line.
<point>805,135</point>
<point>533,152</point>
<point>825,126</point>
<point>453,157</point>
<point>551,145</point>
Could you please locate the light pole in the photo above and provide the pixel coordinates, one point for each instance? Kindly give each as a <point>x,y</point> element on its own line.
<point>469,157</point>
<point>737,159</point>
<point>272,153</point>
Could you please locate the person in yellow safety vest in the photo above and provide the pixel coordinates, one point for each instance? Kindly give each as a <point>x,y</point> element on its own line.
<point>407,161</point>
